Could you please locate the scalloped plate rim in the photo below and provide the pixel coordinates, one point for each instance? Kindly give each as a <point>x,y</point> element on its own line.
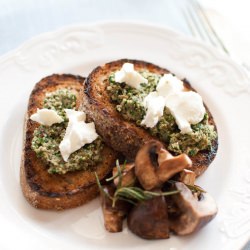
<point>8,56</point>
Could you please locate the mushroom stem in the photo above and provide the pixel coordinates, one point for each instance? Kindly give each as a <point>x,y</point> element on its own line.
<point>163,155</point>
<point>187,177</point>
<point>128,175</point>
<point>172,166</point>
<point>113,216</point>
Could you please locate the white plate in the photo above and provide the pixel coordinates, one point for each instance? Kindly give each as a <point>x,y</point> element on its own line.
<point>78,49</point>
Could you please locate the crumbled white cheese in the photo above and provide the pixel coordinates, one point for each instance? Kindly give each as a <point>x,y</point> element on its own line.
<point>75,116</point>
<point>128,75</point>
<point>78,133</point>
<point>169,84</point>
<point>187,108</point>
<point>46,117</point>
<point>154,105</point>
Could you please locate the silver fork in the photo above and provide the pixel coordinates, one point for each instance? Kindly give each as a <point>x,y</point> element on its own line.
<point>201,27</point>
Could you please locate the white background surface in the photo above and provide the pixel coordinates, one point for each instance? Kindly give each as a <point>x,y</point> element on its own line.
<point>21,20</point>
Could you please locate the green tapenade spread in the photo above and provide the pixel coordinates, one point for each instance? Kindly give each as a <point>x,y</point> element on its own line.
<point>129,102</point>
<point>46,139</point>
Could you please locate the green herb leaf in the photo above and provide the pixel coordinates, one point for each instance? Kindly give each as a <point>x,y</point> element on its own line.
<point>119,172</point>
<point>101,188</point>
<point>193,188</point>
<point>130,194</point>
<point>153,194</point>
<point>117,175</point>
<point>196,188</point>
<point>138,194</point>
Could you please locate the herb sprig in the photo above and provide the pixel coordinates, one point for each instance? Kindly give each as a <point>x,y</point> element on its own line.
<point>129,194</point>
<point>193,188</point>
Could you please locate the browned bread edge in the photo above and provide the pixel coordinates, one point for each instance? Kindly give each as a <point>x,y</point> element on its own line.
<point>54,191</point>
<point>122,135</point>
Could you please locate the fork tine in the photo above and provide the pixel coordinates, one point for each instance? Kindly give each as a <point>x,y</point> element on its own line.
<point>207,26</point>
<point>200,23</point>
<point>194,26</point>
<point>190,23</point>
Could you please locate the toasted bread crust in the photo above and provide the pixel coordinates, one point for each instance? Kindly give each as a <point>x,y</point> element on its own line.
<point>54,191</point>
<point>125,136</point>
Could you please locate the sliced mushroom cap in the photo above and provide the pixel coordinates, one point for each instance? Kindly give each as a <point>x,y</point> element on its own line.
<point>163,155</point>
<point>113,216</point>
<point>128,175</point>
<point>146,164</point>
<point>192,213</point>
<point>149,219</point>
<point>154,165</point>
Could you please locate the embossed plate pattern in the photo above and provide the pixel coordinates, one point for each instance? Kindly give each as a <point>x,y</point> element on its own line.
<point>77,50</point>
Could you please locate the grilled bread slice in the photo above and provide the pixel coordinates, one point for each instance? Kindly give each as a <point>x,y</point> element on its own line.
<point>54,191</point>
<point>122,135</point>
